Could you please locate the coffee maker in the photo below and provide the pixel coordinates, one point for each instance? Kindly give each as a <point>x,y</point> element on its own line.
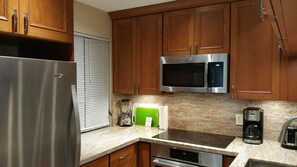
<point>253,125</point>
<point>126,110</point>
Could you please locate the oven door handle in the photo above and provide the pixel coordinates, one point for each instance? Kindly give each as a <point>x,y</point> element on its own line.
<point>169,163</point>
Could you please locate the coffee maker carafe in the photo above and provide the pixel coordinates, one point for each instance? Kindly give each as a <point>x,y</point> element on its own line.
<point>253,125</point>
<point>126,110</point>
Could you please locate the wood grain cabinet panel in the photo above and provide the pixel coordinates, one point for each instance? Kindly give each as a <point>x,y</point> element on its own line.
<point>149,51</point>
<point>124,56</point>
<point>100,162</point>
<point>178,32</point>
<point>227,160</point>
<point>144,154</point>
<point>50,19</point>
<point>6,12</point>
<point>254,54</point>
<point>212,29</point>
<point>137,48</point>
<point>46,19</point>
<point>197,31</point>
<point>126,157</point>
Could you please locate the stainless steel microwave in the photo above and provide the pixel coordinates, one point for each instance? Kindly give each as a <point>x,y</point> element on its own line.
<point>195,73</point>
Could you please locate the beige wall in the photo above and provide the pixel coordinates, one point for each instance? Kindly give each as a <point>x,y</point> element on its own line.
<point>92,21</point>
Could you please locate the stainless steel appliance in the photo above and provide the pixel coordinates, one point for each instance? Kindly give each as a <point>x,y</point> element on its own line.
<point>290,141</point>
<point>166,156</point>
<point>126,110</point>
<point>196,73</point>
<point>39,123</point>
<point>253,125</point>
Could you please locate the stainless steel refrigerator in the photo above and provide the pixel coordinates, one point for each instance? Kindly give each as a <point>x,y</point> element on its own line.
<point>39,121</point>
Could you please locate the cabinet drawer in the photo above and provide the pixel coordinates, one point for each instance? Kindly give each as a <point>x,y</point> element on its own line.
<point>126,157</point>
<point>101,162</point>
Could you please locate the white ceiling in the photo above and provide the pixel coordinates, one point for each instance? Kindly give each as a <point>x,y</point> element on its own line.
<point>113,5</point>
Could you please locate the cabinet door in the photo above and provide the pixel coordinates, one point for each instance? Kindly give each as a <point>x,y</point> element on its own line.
<point>254,63</point>
<point>47,18</point>
<point>178,32</point>
<point>149,51</point>
<point>212,29</point>
<point>6,12</point>
<point>101,162</point>
<point>227,160</point>
<point>126,157</point>
<point>144,154</point>
<point>124,59</point>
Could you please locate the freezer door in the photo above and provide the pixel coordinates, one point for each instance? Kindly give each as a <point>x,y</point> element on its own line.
<point>37,123</point>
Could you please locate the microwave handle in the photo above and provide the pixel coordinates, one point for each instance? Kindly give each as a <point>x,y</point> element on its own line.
<point>205,75</point>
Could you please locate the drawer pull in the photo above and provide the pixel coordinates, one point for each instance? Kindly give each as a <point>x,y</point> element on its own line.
<point>124,156</point>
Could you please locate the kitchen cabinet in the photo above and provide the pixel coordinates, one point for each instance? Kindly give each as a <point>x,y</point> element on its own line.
<point>283,15</point>
<point>46,19</point>
<point>178,32</point>
<point>137,48</point>
<point>100,162</point>
<point>148,51</point>
<point>126,157</point>
<point>227,160</point>
<point>197,31</point>
<point>212,27</point>
<point>124,56</point>
<point>144,154</point>
<point>254,54</point>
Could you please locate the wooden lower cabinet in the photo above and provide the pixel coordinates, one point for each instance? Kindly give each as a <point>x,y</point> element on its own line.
<point>144,154</point>
<point>227,160</point>
<point>101,162</point>
<point>126,157</point>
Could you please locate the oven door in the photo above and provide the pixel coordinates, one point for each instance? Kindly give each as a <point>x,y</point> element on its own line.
<point>160,162</point>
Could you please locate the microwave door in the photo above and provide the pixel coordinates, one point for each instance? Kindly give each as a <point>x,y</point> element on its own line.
<point>183,77</point>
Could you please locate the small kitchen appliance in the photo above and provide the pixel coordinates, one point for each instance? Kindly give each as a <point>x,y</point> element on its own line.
<point>253,125</point>
<point>291,138</point>
<point>126,110</point>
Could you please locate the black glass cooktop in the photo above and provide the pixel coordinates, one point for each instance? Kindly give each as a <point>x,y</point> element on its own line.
<point>207,139</point>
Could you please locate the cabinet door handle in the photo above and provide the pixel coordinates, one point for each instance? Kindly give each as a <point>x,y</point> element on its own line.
<point>232,93</point>
<point>26,23</point>
<point>196,48</point>
<point>123,157</point>
<point>262,10</point>
<point>15,21</point>
<point>190,49</point>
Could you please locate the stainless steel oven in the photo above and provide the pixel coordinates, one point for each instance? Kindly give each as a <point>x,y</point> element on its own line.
<point>166,156</point>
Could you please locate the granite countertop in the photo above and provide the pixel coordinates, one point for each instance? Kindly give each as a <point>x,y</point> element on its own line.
<point>101,142</point>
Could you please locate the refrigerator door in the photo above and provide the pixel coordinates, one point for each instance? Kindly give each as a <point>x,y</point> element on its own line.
<point>37,121</point>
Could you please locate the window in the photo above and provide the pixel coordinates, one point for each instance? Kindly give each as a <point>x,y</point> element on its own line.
<point>92,58</point>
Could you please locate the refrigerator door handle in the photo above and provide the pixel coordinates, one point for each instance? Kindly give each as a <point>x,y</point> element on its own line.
<point>77,126</point>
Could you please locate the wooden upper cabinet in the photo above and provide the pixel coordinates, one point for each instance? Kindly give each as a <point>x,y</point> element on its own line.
<point>137,48</point>
<point>212,29</point>
<point>254,54</point>
<point>197,31</point>
<point>178,32</point>
<point>149,51</point>
<point>46,19</point>
<point>7,8</point>
<point>124,59</point>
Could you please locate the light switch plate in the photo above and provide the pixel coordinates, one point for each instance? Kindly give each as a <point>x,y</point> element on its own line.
<point>239,119</point>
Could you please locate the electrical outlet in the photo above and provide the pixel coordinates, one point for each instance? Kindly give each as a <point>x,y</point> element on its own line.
<point>239,119</point>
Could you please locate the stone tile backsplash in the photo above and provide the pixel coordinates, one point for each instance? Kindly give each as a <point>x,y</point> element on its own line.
<point>213,113</point>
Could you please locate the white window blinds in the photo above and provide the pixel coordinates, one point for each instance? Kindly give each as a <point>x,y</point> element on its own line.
<point>91,56</point>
